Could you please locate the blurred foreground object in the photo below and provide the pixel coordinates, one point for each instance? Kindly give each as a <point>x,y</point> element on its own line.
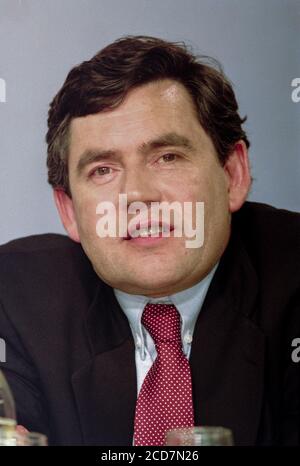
<point>199,436</point>
<point>12,435</point>
<point>7,404</point>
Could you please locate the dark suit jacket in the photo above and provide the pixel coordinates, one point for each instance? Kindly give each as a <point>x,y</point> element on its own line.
<point>70,351</point>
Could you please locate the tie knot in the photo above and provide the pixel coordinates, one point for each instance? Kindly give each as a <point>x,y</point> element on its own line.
<point>162,321</point>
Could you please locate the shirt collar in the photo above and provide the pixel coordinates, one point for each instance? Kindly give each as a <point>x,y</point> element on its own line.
<point>188,302</point>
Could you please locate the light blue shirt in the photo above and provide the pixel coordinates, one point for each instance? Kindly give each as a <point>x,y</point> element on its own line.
<point>188,302</point>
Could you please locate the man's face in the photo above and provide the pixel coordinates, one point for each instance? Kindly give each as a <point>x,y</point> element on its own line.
<point>144,162</point>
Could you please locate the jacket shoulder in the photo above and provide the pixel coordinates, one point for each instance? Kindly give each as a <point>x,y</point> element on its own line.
<point>45,263</point>
<point>256,220</point>
<point>36,243</point>
<point>272,239</point>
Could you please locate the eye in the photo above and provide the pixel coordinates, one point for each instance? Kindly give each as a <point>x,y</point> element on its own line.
<point>101,171</point>
<point>168,157</point>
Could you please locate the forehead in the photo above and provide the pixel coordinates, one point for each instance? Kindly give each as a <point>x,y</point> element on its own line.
<point>157,107</point>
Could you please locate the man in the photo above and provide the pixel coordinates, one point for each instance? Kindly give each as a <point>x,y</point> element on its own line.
<point>146,119</point>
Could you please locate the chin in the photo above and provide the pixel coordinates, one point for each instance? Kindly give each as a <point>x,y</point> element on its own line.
<point>151,285</point>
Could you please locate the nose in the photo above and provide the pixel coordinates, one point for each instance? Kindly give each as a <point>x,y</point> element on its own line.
<point>140,186</point>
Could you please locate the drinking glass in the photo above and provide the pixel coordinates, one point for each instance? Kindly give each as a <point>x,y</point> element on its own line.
<point>199,436</point>
<point>9,437</point>
<point>7,404</point>
<point>34,439</point>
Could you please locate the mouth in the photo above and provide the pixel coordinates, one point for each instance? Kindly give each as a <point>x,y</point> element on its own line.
<point>149,233</point>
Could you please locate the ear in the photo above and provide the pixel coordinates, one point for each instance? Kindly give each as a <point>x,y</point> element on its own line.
<point>65,208</point>
<point>239,179</point>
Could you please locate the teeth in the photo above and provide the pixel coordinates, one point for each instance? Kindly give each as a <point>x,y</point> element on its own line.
<point>145,232</point>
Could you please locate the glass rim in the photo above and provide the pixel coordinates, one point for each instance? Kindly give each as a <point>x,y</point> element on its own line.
<point>202,431</point>
<point>7,422</point>
<point>35,437</point>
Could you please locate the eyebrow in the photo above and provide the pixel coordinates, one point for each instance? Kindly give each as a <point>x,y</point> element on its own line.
<point>93,155</point>
<point>169,139</point>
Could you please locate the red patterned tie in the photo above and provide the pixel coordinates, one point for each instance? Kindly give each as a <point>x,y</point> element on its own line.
<point>165,400</point>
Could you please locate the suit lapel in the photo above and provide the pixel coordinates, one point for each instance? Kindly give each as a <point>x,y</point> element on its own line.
<point>227,357</point>
<point>105,387</point>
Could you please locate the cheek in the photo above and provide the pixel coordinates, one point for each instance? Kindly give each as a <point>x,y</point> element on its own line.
<point>212,184</point>
<point>195,187</point>
<point>210,188</point>
<point>85,213</point>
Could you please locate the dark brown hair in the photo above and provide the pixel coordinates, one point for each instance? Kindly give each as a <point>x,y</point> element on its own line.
<point>102,83</point>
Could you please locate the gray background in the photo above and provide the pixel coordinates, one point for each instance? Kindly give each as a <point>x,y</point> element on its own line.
<point>257,42</point>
